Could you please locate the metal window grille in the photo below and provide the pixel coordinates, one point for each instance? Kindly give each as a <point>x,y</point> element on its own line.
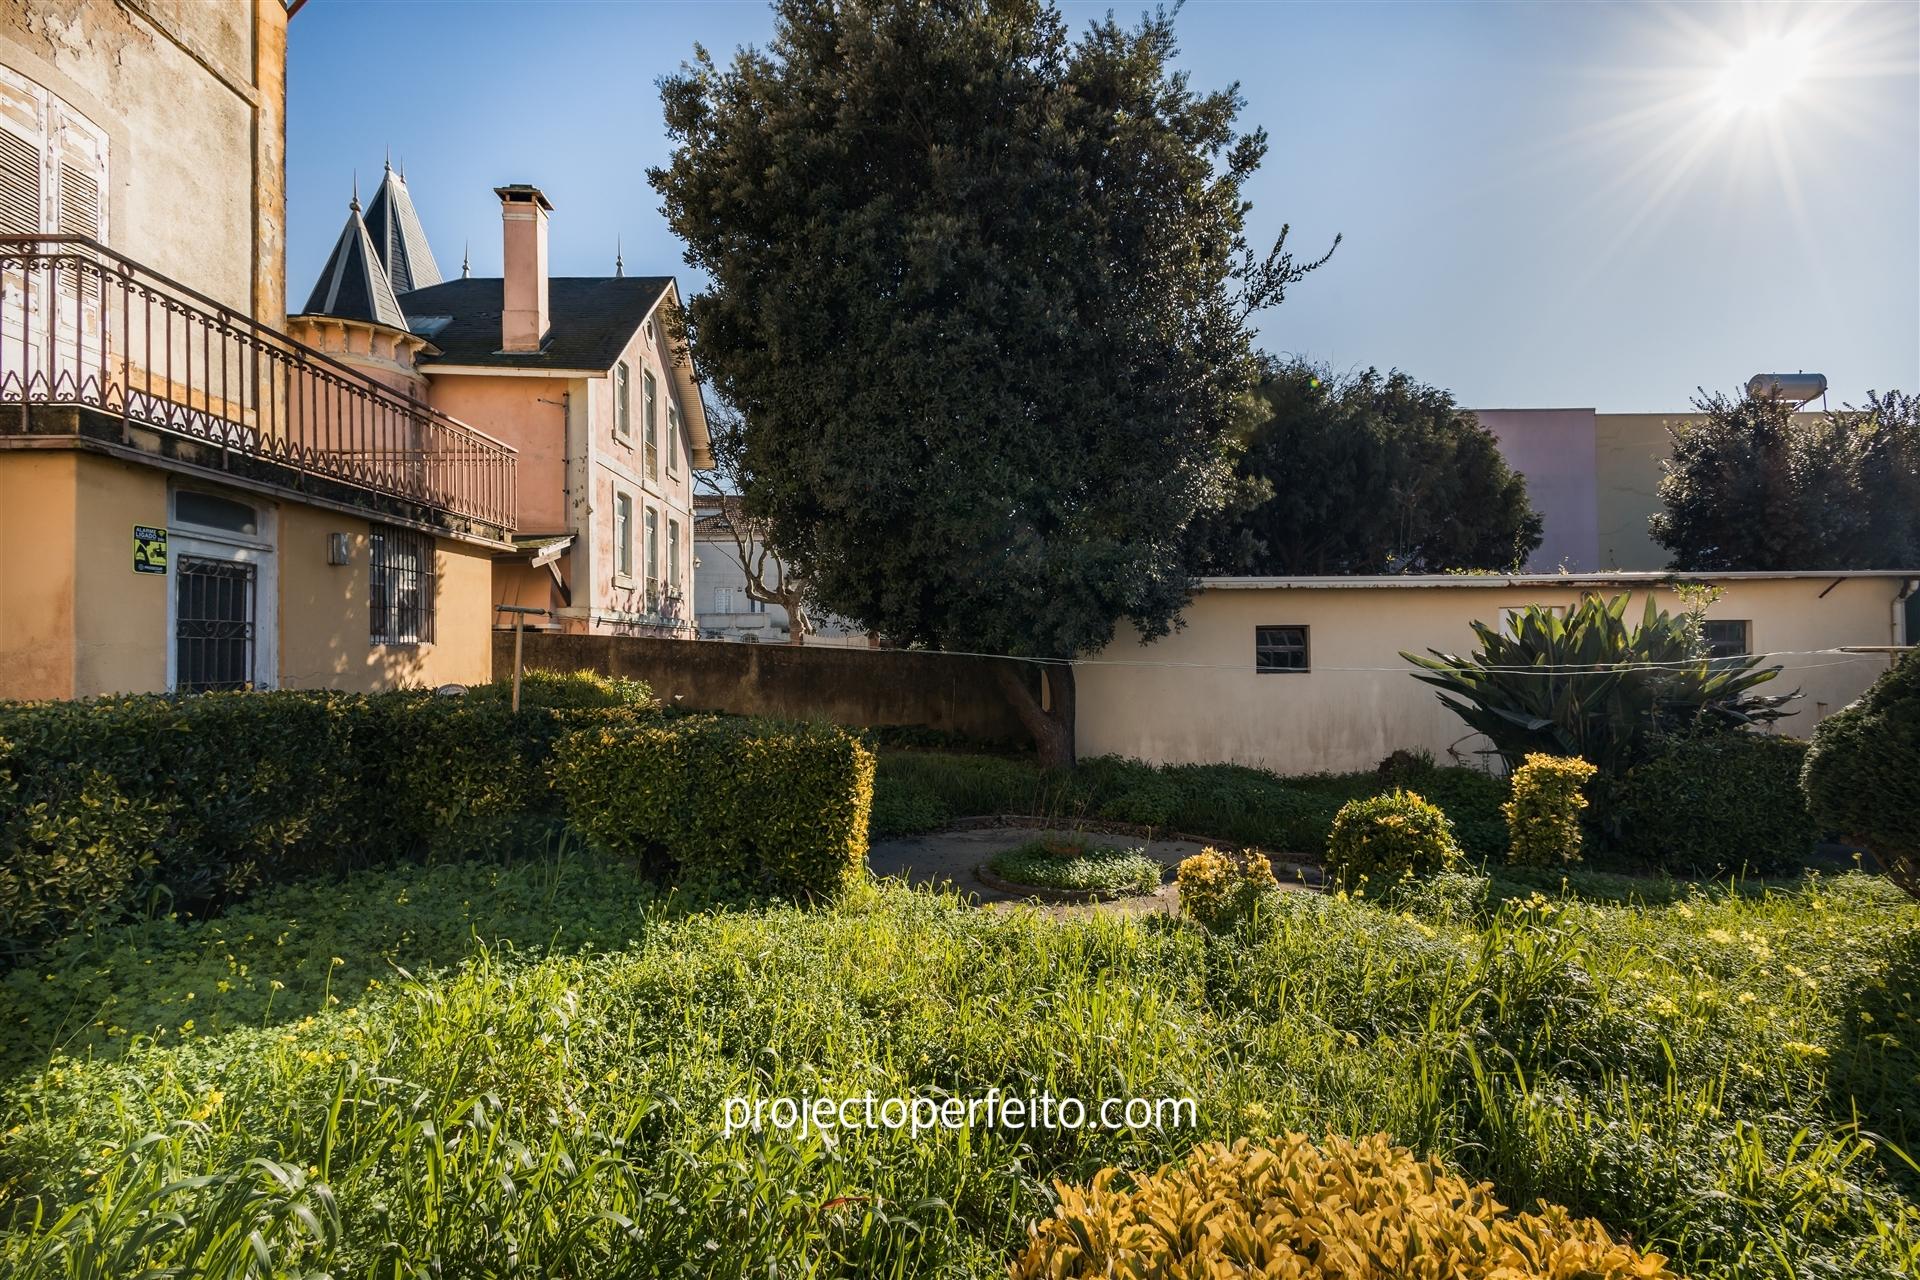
<point>1280,649</point>
<point>213,624</point>
<point>400,587</point>
<point>1727,639</point>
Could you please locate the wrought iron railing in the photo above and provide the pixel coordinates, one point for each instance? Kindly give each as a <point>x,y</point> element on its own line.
<point>84,326</point>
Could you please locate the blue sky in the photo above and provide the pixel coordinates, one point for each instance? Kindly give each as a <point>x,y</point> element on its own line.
<point>1543,205</point>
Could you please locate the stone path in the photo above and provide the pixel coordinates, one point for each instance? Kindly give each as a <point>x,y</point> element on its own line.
<point>949,857</point>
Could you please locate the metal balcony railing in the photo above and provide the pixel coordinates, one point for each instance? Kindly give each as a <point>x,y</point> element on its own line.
<point>84,326</point>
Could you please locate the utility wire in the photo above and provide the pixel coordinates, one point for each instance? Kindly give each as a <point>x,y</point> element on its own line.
<point>1845,657</point>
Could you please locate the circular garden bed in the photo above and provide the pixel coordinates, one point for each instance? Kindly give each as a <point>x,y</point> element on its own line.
<point>1071,868</point>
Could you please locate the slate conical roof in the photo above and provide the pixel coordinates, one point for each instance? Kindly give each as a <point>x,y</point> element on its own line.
<point>353,285</point>
<point>398,237</point>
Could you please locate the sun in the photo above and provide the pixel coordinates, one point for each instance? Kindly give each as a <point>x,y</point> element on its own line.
<point>1762,75</point>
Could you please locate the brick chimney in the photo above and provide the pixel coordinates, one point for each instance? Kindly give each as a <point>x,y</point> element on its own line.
<point>523,227</point>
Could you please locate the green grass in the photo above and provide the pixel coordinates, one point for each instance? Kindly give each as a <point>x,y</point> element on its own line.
<point>303,948</point>
<point>1081,868</point>
<point>1704,1074</point>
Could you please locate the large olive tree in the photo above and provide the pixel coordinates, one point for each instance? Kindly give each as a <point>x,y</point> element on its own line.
<point>981,291</point>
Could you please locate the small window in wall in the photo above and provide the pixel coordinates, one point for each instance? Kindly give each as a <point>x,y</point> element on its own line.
<point>623,535</point>
<point>622,402</point>
<point>400,587</point>
<point>673,556</point>
<point>673,441</point>
<point>209,511</point>
<point>1727,639</point>
<point>1280,649</point>
<point>650,407</point>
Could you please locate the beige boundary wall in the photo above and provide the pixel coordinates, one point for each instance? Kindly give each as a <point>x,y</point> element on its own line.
<point>1194,696</point>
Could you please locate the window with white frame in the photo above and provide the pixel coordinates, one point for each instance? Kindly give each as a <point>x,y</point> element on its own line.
<point>400,586</point>
<point>653,552</point>
<point>623,535</point>
<point>673,441</point>
<point>673,556</point>
<point>622,402</point>
<point>650,407</point>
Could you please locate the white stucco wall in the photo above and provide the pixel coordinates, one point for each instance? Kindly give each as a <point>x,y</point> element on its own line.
<point>1195,696</point>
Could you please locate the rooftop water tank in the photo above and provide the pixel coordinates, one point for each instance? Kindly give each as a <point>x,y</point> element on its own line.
<point>1794,388</point>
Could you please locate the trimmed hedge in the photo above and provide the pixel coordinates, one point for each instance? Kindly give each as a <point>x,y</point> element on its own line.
<point>727,804</point>
<point>191,802</point>
<point>1718,803</point>
<point>921,791</point>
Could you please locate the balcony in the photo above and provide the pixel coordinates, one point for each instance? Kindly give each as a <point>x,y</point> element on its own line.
<point>92,344</point>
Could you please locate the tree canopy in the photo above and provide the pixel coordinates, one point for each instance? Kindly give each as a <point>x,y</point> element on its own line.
<point>1366,474</point>
<point>1754,485</point>
<point>982,294</point>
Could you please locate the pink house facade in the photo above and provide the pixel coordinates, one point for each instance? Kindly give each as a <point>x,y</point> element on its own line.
<point>578,373</point>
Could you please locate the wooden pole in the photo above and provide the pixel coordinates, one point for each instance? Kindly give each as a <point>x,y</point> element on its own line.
<point>519,613</point>
<point>519,631</point>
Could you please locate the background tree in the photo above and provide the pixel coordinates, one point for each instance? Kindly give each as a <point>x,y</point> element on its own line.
<point>982,293</point>
<point>1754,485</point>
<point>767,577</point>
<point>1370,473</point>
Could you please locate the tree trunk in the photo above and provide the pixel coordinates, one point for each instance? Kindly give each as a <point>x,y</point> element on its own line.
<point>1051,727</point>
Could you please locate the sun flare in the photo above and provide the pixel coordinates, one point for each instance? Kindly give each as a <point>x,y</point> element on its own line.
<point>1762,74</point>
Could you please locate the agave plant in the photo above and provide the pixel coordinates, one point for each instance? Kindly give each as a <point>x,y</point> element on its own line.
<point>1586,683</point>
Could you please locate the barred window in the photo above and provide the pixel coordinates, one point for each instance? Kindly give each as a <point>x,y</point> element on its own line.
<point>1280,649</point>
<point>400,587</point>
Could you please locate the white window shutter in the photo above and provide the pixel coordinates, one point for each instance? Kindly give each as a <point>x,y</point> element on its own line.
<point>79,200</point>
<point>19,185</point>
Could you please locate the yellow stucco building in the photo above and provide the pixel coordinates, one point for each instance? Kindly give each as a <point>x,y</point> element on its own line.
<point>190,498</point>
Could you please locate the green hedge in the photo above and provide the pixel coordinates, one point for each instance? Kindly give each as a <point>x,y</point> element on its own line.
<point>921,791</point>
<point>1862,774</point>
<point>111,804</point>
<point>730,804</point>
<point>1724,802</point>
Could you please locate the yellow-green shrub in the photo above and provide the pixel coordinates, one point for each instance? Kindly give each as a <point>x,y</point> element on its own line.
<point>1364,1210</point>
<point>1220,890</point>
<point>1543,810</point>
<point>565,691</point>
<point>725,803</point>
<point>1381,842</point>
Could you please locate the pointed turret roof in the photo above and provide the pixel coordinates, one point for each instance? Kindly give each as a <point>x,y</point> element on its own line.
<point>353,285</point>
<point>398,237</point>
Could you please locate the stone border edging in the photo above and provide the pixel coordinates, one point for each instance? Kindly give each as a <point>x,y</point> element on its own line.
<point>1306,869</point>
